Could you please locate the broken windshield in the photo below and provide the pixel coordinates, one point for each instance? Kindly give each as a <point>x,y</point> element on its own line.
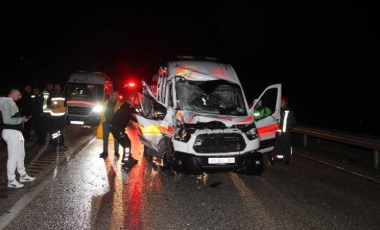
<point>215,97</point>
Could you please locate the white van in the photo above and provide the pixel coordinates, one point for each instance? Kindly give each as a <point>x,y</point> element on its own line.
<point>85,92</point>
<point>198,119</point>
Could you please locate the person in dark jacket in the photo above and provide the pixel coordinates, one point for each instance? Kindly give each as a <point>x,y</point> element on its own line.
<point>46,119</point>
<point>37,115</point>
<point>110,107</point>
<point>26,110</point>
<point>119,122</point>
<point>283,144</point>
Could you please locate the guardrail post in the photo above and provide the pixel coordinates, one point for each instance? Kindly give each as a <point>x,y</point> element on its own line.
<point>318,142</point>
<point>376,159</point>
<point>305,140</point>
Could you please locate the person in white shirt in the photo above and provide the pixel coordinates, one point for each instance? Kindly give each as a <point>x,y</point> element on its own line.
<point>13,125</point>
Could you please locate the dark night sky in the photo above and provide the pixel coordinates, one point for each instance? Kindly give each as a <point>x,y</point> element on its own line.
<point>312,52</point>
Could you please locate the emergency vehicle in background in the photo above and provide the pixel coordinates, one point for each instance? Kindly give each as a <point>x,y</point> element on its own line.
<point>85,93</point>
<point>198,119</point>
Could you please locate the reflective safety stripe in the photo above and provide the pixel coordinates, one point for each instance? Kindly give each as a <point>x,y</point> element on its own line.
<point>81,102</point>
<point>45,108</point>
<point>285,121</point>
<point>126,155</point>
<point>150,130</point>
<point>267,130</point>
<point>58,99</point>
<point>56,114</point>
<point>57,106</point>
<point>55,135</point>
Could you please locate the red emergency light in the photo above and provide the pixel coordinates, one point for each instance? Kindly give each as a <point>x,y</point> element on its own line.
<point>130,85</point>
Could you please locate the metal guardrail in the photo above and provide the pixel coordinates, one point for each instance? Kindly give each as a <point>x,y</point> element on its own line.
<point>351,139</point>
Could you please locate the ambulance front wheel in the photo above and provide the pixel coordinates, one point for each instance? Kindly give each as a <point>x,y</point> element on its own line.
<point>252,165</point>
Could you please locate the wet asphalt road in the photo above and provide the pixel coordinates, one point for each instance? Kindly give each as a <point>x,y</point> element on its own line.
<point>86,192</point>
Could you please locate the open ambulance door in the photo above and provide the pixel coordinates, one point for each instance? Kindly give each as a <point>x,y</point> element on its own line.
<point>266,113</point>
<point>150,114</point>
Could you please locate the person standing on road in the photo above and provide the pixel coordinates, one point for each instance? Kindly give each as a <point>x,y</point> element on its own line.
<point>283,136</point>
<point>119,122</point>
<point>46,119</point>
<point>12,135</point>
<point>26,110</point>
<point>37,115</point>
<point>110,106</point>
<point>58,104</point>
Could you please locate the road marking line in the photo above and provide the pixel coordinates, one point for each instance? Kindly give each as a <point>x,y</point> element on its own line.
<point>21,203</point>
<point>339,168</point>
<point>12,213</point>
<point>42,150</point>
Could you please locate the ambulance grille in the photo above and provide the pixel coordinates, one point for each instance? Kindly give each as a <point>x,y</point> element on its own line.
<point>81,111</point>
<point>219,143</point>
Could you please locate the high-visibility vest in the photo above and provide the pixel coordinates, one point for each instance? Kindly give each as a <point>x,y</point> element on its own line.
<point>57,106</point>
<point>46,109</point>
<point>262,113</point>
<point>105,104</point>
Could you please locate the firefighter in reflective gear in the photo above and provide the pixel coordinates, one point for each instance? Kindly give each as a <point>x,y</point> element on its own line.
<point>119,122</point>
<point>283,144</point>
<point>57,104</point>
<point>46,119</point>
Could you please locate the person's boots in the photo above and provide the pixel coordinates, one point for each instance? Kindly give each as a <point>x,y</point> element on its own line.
<point>103,155</point>
<point>270,158</point>
<point>130,162</point>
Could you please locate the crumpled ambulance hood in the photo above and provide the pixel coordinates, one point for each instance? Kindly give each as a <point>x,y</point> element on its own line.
<point>194,118</point>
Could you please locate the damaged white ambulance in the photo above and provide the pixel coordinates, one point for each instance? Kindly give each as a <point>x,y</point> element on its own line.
<point>196,119</point>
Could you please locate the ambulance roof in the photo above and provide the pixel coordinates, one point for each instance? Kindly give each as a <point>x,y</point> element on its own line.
<point>89,77</point>
<point>195,70</point>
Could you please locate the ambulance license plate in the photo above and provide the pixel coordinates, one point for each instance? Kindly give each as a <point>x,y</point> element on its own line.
<point>221,160</point>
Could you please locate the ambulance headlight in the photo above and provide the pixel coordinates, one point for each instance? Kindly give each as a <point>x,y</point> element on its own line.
<point>183,135</point>
<point>97,109</point>
<point>183,131</point>
<point>251,131</point>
